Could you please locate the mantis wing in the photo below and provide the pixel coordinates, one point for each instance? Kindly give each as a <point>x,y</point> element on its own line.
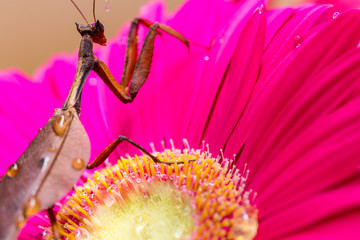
<point>46,171</point>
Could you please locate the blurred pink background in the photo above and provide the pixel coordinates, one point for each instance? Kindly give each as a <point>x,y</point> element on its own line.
<point>34,30</point>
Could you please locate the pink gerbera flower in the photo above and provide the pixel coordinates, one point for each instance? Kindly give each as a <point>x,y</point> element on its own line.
<point>279,89</point>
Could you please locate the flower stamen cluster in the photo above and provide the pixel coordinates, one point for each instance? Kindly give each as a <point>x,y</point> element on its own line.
<point>201,198</point>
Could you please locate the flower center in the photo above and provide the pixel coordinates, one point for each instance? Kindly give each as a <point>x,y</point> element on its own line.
<point>199,198</point>
<point>162,213</point>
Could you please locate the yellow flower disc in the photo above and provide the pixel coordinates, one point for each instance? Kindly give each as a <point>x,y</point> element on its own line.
<point>194,197</point>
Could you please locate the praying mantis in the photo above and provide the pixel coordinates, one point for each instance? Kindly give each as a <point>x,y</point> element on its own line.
<point>57,156</point>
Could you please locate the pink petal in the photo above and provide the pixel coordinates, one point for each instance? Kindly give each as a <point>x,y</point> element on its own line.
<point>237,83</point>
<point>275,19</point>
<point>342,5</point>
<point>332,214</point>
<point>284,41</point>
<point>298,70</point>
<point>339,5</point>
<point>324,163</point>
<point>295,140</point>
<point>219,58</point>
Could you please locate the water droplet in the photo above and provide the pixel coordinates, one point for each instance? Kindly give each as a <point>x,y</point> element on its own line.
<point>20,222</point>
<point>78,163</point>
<point>32,206</point>
<point>61,123</point>
<point>107,3</point>
<point>298,41</point>
<point>221,40</point>
<point>260,9</point>
<point>93,81</point>
<point>335,15</point>
<point>138,180</point>
<point>52,149</point>
<point>13,170</point>
<point>206,58</point>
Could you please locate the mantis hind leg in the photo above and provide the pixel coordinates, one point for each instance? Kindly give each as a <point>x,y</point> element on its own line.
<point>112,146</point>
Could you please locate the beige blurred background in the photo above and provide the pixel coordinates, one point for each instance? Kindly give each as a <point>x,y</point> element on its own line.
<point>33,30</point>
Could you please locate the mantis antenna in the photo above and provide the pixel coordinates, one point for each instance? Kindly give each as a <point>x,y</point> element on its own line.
<point>80,11</point>
<point>94,11</point>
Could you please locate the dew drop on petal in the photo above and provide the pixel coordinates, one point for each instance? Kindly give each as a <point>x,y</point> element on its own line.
<point>335,15</point>
<point>13,170</point>
<point>261,8</point>
<point>206,58</point>
<point>298,41</point>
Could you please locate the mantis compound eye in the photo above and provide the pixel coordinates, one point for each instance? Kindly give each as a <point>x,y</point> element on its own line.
<point>97,34</point>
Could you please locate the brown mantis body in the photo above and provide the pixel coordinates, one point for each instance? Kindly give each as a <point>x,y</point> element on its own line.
<point>55,158</point>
